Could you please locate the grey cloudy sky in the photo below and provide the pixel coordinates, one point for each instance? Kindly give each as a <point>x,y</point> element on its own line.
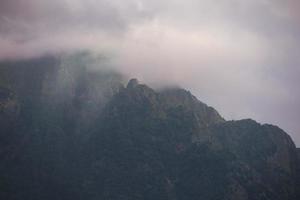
<point>240,56</point>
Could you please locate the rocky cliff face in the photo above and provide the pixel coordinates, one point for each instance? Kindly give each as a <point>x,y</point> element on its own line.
<point>68,133</point>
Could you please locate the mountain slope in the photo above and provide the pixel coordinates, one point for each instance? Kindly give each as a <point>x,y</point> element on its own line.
<point>195,159</point>
<point>69,133</point>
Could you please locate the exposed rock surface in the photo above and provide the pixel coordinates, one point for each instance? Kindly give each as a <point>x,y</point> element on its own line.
<point>68,133</point>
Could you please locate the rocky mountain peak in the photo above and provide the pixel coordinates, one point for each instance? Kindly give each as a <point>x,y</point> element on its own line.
<point>143,143</point>
<point>132,83</point>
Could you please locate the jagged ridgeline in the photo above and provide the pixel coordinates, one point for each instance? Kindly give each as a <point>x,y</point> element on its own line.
<point>68,131</point>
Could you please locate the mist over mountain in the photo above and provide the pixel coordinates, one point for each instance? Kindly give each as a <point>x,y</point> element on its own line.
<point>73,130</point>
<point>240,56</point>
<point>139,99</point>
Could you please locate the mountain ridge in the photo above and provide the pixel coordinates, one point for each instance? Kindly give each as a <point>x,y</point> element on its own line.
<point>67,133</point>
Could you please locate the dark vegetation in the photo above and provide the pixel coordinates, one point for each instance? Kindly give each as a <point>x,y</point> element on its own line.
<point>67,132</point>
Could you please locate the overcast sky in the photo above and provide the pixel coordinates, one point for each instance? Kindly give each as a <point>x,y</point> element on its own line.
<point>240,56</point>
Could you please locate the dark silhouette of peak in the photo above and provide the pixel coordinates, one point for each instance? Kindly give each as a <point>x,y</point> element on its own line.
<point>132,83</point>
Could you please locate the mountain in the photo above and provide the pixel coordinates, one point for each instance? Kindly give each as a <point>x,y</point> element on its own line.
<point>70,132</point>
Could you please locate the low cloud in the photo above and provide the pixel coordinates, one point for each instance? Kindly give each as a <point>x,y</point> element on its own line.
<point>238,56</point>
